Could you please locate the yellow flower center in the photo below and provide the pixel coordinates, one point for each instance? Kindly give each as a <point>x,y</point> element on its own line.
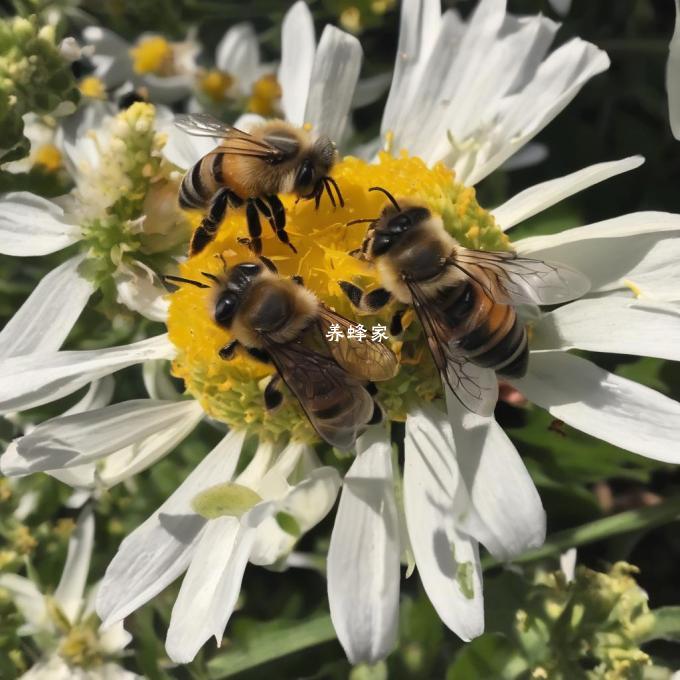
<point>232,391</point>
<point>350,19</point>
<point>92,87</point>
<point>81,648</point>
<point>265,96</point>
<point>216,84</point>
<point>152,55</point>
<point>48,157</point>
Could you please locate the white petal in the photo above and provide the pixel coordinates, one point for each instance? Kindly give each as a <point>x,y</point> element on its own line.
<point>114,639</point>
<point>71,588</point>
<point>562,7</point>
<point>111,58</point>
<point>28,600</point>
<point>32,225</point>
<point>446,558</point>
<point>298,46</point>
<point>673,76</point>
<point>308,503</point>
<point>335,75</point>
<point>363,557</point>
<point>568,563</point>
<point>67,441</point>
<point>531,154</point>
<point>541,196</point>
<point>498,485</point>
<point>418,29</point>
<point>48,315</point>
<point>168,89</point>
<point>140,290</point>
<point>604,405</point>
<point>98,395</point>
<point>613,324</point>
<point>158,551</point>
<point>28,381</point>
<point>645,244</point>
<point>190,622</point>
<point>52,668</point>
<point>238,54</point>
<point>556,82</point>
<point>369,90</point>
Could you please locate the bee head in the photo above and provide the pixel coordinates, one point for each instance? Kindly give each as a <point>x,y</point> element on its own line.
<point>312,176</point>
<point>230,295</point>
<point>394,223</point>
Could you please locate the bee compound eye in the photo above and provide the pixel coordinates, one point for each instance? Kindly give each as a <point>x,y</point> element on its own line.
<point>305,174</point>
<point>399,223</point>
<point>249,268</point>
<point>225,308</point>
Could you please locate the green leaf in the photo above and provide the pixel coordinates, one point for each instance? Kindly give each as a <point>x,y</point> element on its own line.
<point>666,624</point>
<point>489,657</point>
<point>270,645</point>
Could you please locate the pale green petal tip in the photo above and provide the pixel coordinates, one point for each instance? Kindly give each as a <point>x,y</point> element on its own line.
<point>225,500</point>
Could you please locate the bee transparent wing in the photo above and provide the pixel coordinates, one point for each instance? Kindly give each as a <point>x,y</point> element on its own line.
<point>510,279</point>
<point>337,404</point>
<point>203,125</point>
<point>476,388</point>
<point>367,360</point>
<point>235,142</point>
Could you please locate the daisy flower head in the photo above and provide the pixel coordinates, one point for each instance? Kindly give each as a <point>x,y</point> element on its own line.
<point>63,625</point>
<point>461,481</point>
<point>166,69</point>
<point>122,215</point>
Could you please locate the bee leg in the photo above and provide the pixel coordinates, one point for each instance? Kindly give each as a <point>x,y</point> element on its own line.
<point>207,229</point>
<point>269,264</point>
<point>272,395</point>
<point>378,414</point>
<point>278,213</point>
<point>254,227</point>
<point>265,210</point>
<point>368,302</point>
<point>298,279</point>
<point>396,327</point>
<point>259,355</point>
<point>227,352</point>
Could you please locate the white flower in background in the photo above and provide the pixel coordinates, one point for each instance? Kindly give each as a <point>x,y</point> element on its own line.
<point>166,69</point>
<point>470,94</point>
<point>44,153</point>
<point>562,7</point>
<point>122,213</point>
<point>64,625</point>
<point>673,75</point>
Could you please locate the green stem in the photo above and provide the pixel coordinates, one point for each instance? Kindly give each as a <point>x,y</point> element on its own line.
<point>270,645</point>
<point>624,522</point>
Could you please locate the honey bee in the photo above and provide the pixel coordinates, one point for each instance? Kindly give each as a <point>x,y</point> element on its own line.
<point>464,299</point>
<point>279,321</point>
<point>252,169</point>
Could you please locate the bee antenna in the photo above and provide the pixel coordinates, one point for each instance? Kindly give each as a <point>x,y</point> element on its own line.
<point>389,195</point>
<point>210,276</point>
<point>361,221</point>
<point>334,184</point>
<point>180,279</point>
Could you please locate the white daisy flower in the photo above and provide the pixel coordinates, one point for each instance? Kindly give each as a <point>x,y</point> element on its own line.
<point>466,96</point>
<point>673,75</point>
<point>64,625</point>
<point>166,69</point>
<point>123,214</point>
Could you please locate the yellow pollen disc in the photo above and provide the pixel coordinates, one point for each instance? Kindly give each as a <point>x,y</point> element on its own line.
<point>152,55</point>
<point>216,84</point>
<point>265,96</point>
<point>92,87</point>
<point>232,391</point>
<point>350,19</point>
<point>48,157</point>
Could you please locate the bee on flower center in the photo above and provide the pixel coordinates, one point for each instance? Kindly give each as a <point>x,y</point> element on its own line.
<point>252,169</point>
<point>464,299</point>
